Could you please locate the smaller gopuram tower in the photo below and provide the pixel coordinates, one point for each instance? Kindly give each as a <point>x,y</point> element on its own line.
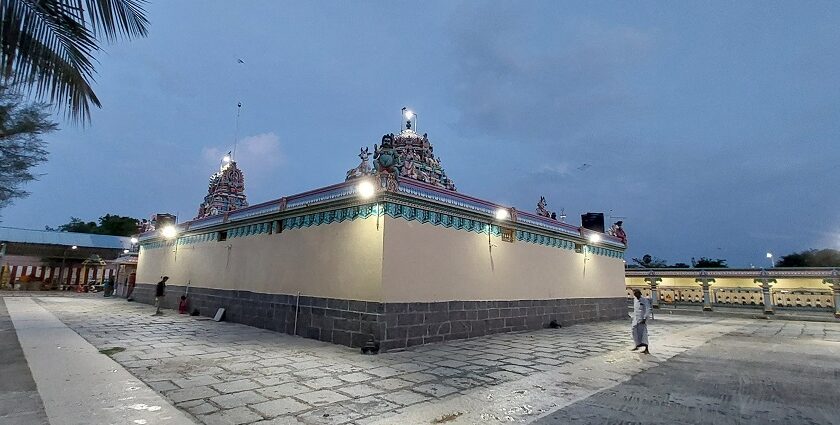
<point>226,190</point>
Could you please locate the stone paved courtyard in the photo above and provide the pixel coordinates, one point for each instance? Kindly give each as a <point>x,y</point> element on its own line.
<point>225,373</point>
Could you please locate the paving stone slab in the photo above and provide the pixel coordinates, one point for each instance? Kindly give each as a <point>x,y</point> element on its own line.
<point>229,401</point>
<point>279,407</point>
<point>237,416</point>
<point>321,397</point>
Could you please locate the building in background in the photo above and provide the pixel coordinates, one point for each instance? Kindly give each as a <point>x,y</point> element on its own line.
<point>40,259</point>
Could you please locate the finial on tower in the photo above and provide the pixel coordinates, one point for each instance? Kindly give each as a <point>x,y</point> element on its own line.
<point>409,115</point>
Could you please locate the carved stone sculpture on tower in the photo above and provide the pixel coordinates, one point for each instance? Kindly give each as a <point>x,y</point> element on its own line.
<point>541,211</point>
<point>406,155</point>
<point>225,191</point>
<point>363,169</point>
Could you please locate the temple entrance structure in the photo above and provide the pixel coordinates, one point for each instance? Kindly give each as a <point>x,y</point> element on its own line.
<point>394,253</point>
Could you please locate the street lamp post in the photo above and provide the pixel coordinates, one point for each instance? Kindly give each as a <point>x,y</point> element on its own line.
<point>61,270</point>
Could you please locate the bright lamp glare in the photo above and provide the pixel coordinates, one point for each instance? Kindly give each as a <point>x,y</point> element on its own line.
<point>769,255</point>
<point>125,251</point>
<point>74,247</point>
<point>169,231</point>
<point>595,238</point>
<point>226,158</point>
<point>135,240</point>
<point>408,114</point>
<point>365,189</point>
<point>502,214</point>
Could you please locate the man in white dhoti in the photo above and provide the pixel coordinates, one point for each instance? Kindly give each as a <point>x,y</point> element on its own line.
<point>641,311</point>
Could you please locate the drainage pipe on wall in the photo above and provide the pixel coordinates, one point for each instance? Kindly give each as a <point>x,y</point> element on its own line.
<point>297,309</point>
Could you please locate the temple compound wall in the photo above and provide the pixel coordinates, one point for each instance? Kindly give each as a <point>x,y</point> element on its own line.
<point>814,288</point>
<point>407,264</point>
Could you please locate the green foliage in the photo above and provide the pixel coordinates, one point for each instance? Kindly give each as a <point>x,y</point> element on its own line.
<point>811,258</point>
<point>114,225</point>
<point>709,263</point>
<point>650,262</point>
<point>49,45</point>
<point>22,125</point>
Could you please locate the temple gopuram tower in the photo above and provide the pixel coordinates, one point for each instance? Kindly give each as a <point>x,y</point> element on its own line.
<point>406,155</point>
<point>225,192</point>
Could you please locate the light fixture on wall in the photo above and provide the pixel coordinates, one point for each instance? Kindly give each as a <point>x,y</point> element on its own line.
<point>594,238</point>
<point>502,214</point>
<point>365,189</point>
<point>169,231</point>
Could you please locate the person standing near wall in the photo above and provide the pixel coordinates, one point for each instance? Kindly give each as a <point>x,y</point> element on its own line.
<point>132,281</point>
<point>639,327</point>
<point>160,291</point>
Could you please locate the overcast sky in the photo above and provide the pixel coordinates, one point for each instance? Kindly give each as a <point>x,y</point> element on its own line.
<point>712,127</point>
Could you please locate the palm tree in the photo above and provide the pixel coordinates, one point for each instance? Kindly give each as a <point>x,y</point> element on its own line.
<point>48,46</point>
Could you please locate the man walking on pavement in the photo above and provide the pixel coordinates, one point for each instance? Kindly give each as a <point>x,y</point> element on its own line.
<point>159,293</point>
<point>640,314</point>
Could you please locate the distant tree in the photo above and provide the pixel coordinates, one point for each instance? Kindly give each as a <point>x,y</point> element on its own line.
<point>709,263</point>
<point>681,266</point>
<point>109,224</point>
<point>811,258</point>
<point>117,225</point>
<point>76,225</point>
<point>650,262</point>
<point>22,124</point>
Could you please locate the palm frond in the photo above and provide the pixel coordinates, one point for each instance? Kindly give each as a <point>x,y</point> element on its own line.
<point>49,45</point>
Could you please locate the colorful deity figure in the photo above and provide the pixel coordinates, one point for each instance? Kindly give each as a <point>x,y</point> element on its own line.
<point>418,159</point>
<point>385,157</point>
<point>225,191</point>
<point>541,211</point>
<point>363,169</point>
<point>618,231</point>
<point>407,155</point>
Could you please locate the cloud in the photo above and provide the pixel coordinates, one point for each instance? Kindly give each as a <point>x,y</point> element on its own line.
<point>558,170</point>
<point>257,152</point>
<point>544,80</point>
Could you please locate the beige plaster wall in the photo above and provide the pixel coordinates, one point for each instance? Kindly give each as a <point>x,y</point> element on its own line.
<point>337,260</point>
<point>424,262</point>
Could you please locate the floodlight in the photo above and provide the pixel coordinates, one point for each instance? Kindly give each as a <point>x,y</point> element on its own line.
<point>169,231</point>
<point>365,189</point>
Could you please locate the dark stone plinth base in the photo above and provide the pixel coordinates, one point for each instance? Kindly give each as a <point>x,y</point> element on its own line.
<point>394,325</point>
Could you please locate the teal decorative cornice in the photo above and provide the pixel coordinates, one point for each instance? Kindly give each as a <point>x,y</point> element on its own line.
<point>424,215</point>
<point>597,250</point>
<point>539,239</point>
<point>437,218</point>
<point>327,217</point>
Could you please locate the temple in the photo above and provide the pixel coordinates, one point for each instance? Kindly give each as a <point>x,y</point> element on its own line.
<point>225,192</point>
<point>392,256</point>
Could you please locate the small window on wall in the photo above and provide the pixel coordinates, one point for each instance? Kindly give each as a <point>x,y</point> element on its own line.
<point>278,226</point>
<point>222,235</point>
<point>508,235</point>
